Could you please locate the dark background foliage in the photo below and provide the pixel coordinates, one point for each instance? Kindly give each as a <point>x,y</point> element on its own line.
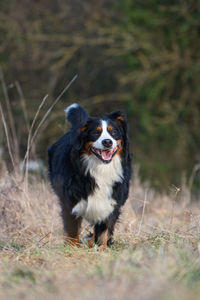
<point>140,56</point>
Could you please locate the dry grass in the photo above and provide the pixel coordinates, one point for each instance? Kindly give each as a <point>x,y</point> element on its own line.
<point>155,256</point>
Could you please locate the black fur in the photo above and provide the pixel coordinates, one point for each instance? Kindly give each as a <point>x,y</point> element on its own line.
<point>67,172</point>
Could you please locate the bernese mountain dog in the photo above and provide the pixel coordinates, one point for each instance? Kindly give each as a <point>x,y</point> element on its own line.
<point>90,171</point>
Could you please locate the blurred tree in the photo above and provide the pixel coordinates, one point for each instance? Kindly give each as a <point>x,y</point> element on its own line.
<point>141,56</point>
<point>162,76</point>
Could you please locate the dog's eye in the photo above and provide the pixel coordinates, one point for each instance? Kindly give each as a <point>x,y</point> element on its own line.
<point>96,132</point>
<point>114,132</point>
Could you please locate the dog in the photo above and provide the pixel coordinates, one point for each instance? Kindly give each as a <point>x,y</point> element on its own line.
<point>90,171</point>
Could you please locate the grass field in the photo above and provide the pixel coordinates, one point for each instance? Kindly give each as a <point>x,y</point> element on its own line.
<point>156,254</point>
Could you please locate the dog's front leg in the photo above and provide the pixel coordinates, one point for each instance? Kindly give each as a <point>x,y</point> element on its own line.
<point>101,235</point>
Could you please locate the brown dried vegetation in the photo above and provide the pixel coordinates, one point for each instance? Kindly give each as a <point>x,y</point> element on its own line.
<point>155,255</point>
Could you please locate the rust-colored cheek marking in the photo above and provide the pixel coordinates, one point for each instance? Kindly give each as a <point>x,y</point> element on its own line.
<point>110,128</point>
<point>120,148</point>
<point>86,148</point>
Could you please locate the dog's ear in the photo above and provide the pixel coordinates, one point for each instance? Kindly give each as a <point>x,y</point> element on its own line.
<point>77,144</point>
<point>76,115</point>
<point>120,119</point>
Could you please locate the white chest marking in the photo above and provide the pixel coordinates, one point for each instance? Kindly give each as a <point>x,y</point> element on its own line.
<point>100,204</point>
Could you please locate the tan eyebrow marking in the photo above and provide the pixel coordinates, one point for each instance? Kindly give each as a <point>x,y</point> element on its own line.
<point>110,128</point>
<point>99,128</point>
<point>121,118</point>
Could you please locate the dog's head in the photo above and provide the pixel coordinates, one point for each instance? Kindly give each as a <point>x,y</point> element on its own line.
<point>101,137</point>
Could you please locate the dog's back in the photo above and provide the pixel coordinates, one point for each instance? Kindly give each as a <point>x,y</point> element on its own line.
<point>59,166</point>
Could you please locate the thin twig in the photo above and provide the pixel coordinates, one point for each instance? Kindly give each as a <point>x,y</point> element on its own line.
<point>31,138</point>
<point>192,177</point>
<point>177,190</point>
<point>43,237</point>
<point>51,107</point>
<point>23,104</point>
<point>143,210</point>
<point>8,249</point>
<point>26,158</point>
<point>10,115</point>
<point>7,137</point>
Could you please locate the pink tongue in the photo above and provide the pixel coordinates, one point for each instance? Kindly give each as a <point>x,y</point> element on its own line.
<point>106,154</point>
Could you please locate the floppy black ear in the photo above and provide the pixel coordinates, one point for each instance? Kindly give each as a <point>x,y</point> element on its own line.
<point>76,115</point>
<point>119,117</point>
<point>77,145</point>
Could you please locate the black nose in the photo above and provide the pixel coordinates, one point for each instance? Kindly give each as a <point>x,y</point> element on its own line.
<point>107,143</point>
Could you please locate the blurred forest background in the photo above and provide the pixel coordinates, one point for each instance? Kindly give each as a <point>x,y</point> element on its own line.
<point>140,56</point>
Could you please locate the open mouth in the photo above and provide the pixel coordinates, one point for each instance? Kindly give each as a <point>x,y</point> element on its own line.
<point>105,155</point>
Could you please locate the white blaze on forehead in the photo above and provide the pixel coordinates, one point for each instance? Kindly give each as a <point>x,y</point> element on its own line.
<point>104,135</point>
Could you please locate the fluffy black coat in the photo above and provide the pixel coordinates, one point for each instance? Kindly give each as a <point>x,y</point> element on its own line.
<point>68,175</point>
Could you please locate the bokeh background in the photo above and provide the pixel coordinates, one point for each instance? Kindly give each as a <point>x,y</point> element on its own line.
<point>139,56</point>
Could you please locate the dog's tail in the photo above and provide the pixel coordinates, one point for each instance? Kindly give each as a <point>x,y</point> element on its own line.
<point>76,115</point>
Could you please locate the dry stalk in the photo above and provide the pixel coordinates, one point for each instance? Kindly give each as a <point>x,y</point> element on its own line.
<point>10,116</point>
<point>32,137</point>
<point>26,158</point>
<point>143,210</point>
<point>23,104</point>
<point>192,177</point>
<point>177,190</point>
<point>7,138</point>
<point>51,107</point>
